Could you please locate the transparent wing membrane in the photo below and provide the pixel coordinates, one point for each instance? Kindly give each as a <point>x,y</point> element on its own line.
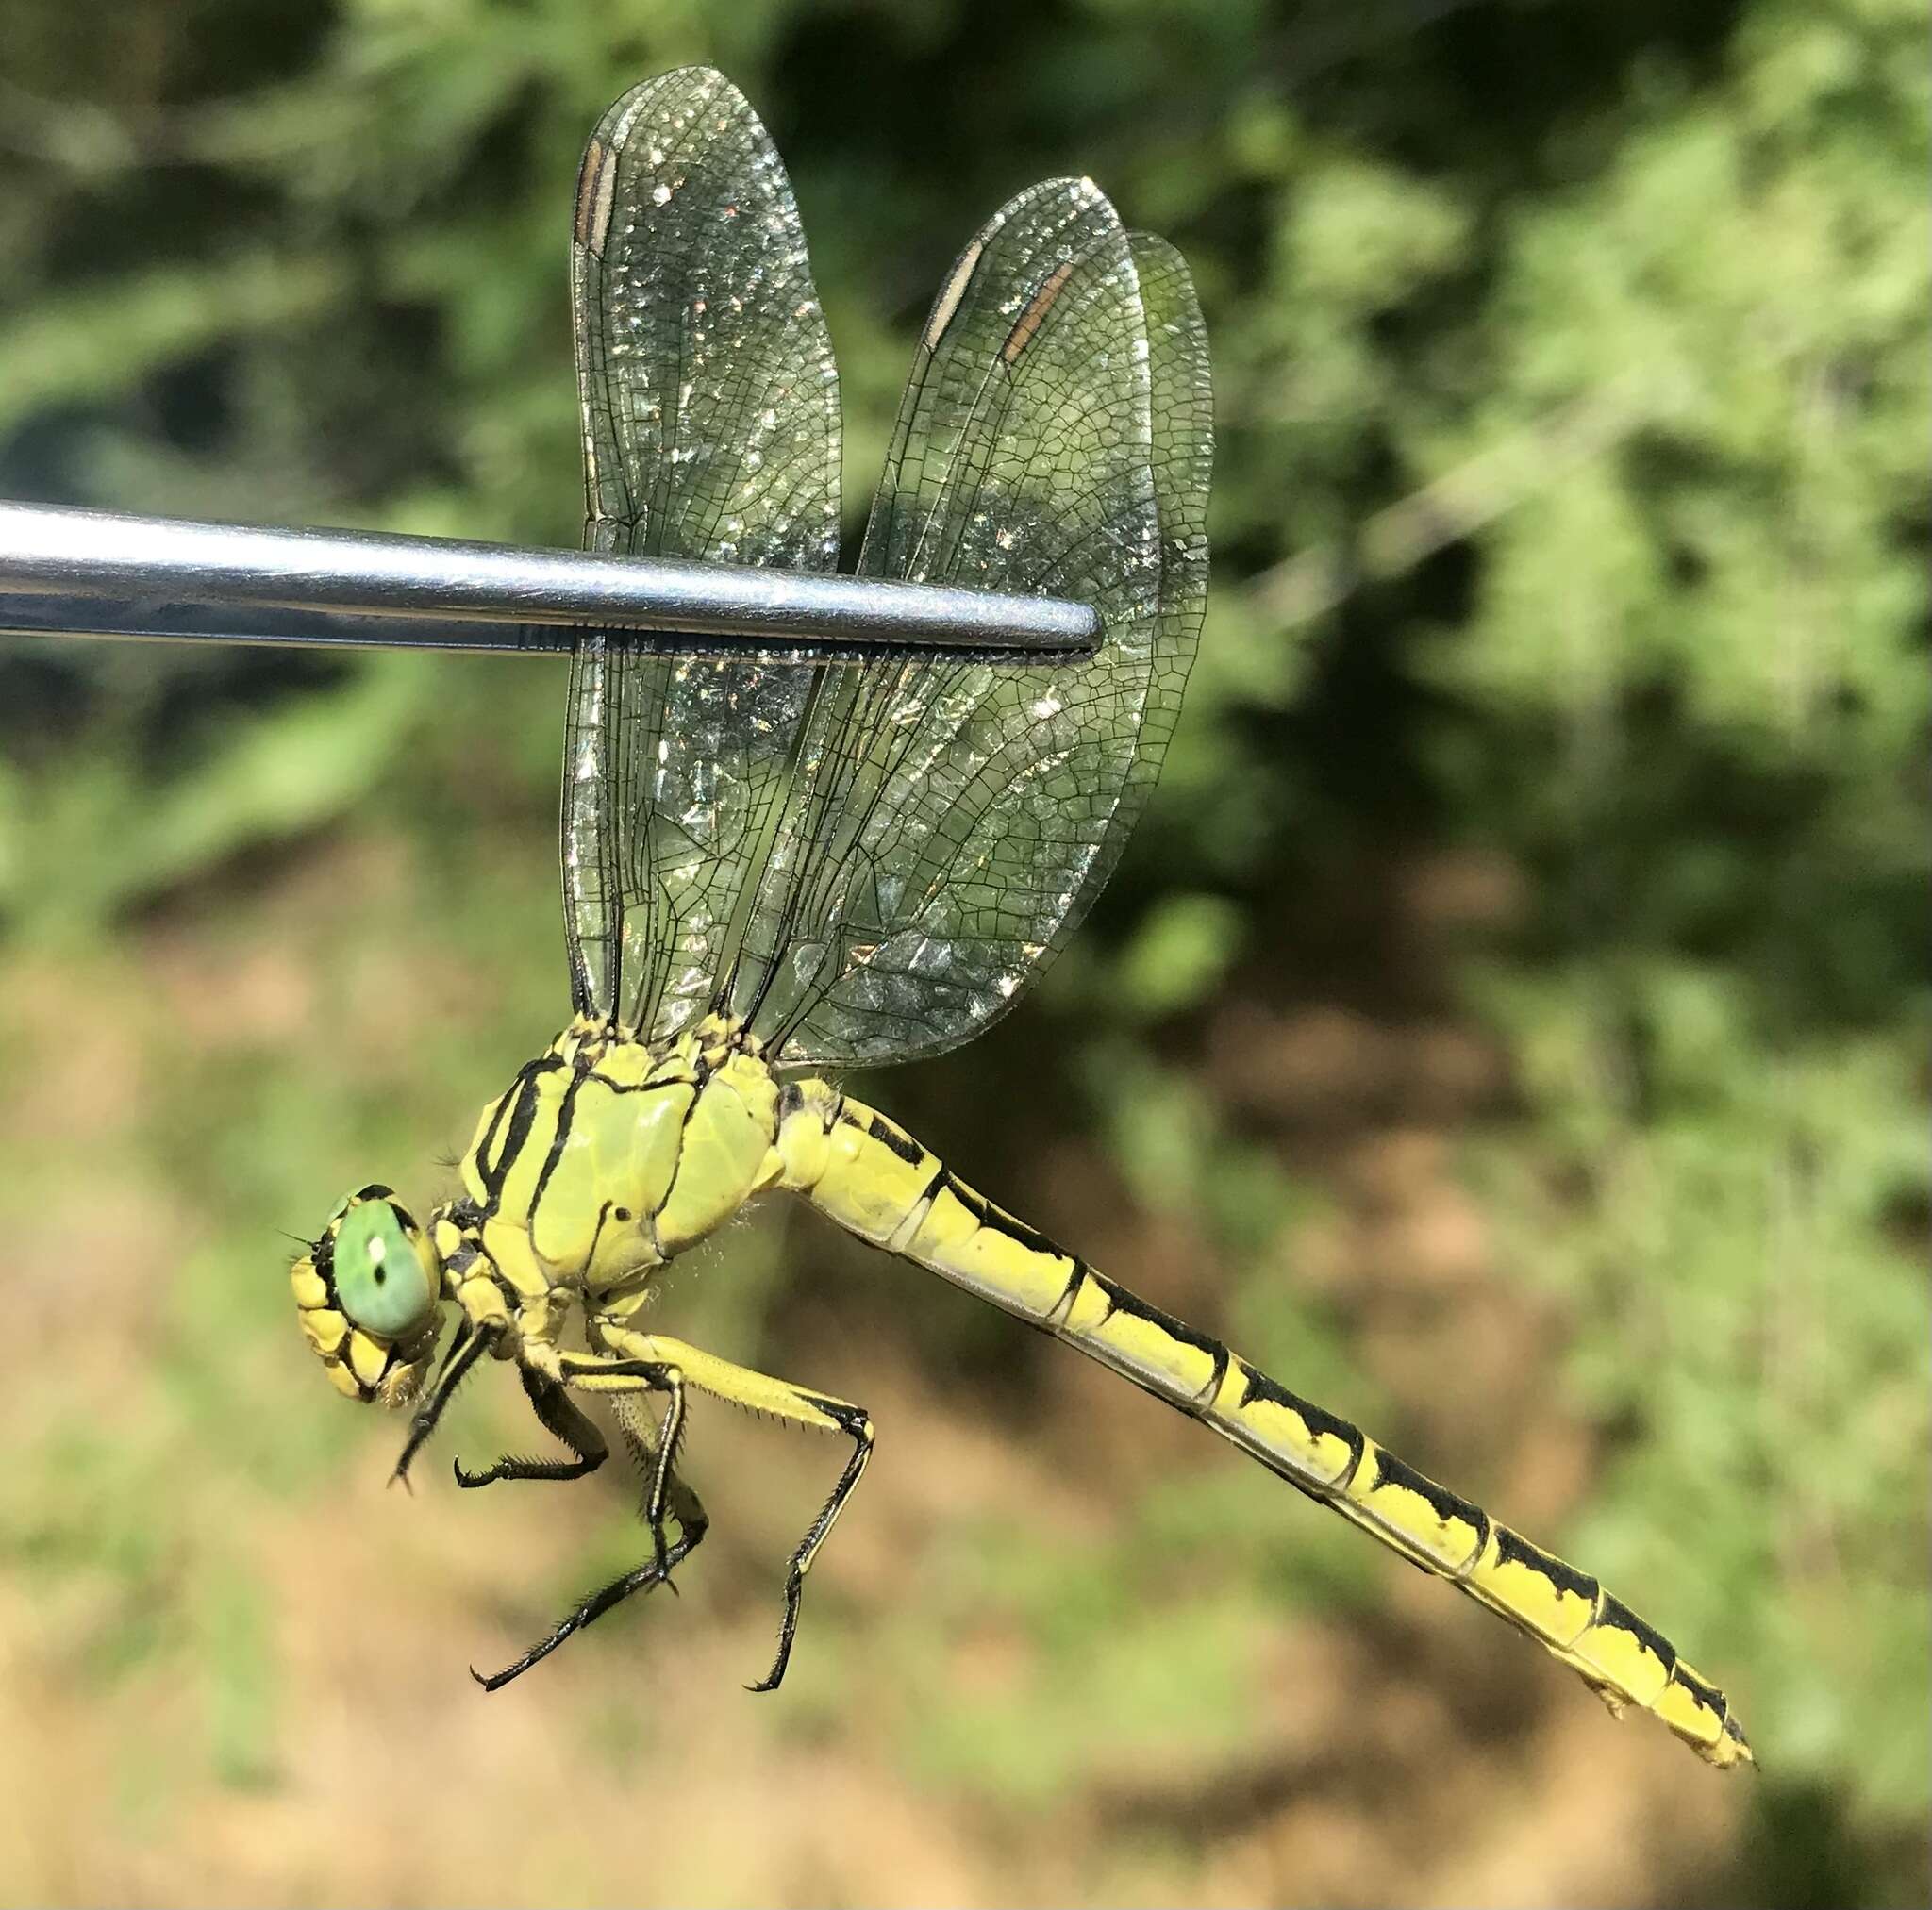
<point>711,423</point>
<point>1181,405</point>
<point>961,805</point>
<point>867,862</point>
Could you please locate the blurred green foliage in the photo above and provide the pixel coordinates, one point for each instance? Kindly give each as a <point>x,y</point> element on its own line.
<point>1570,526</point>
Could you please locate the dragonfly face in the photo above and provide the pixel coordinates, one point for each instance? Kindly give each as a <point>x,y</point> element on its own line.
<point>368,1297</point>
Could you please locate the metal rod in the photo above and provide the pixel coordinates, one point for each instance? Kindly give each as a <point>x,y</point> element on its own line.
<point>95,573</point>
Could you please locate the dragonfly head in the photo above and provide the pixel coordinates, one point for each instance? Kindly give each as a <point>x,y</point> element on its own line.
<point>368,1294</point>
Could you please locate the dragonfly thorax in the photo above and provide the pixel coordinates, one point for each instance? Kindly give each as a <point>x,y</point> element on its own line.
<point>604,1158</point>
<point>607,1155</point>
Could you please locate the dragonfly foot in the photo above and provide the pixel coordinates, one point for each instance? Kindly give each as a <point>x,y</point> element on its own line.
<point>643,1578</point>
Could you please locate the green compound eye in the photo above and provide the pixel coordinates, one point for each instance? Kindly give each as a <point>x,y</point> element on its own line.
<point>382,1278</point>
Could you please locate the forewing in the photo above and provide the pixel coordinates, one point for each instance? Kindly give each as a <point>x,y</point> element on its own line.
<point>950,821</point>
<point>711,423</point>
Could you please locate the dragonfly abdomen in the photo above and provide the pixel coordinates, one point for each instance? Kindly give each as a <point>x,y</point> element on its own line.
<point>866,1173</point>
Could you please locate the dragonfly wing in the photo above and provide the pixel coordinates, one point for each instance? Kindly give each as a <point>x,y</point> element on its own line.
<point>949,822</point>
<point>710,426</point>
<point>1181,412</point>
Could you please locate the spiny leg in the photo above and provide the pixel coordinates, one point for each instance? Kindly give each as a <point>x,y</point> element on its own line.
<point>553,1407</point>
<point>652,1355</point>
<point>656,1460</point>
<point>658,1376</point>
<point>656,1571</point>
<point>469,1345</point>
<point>857,1424</point>
<point>668,1435</point>
<point>665,1491</point>
<point>654,1455</point>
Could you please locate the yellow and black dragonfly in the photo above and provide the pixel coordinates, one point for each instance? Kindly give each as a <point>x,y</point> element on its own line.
<point>774,870</point>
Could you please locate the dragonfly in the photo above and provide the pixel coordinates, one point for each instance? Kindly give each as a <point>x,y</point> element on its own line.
<point>776,871</point>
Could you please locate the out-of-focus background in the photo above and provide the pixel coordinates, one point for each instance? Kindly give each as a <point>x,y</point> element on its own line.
<point>1508,1024</point>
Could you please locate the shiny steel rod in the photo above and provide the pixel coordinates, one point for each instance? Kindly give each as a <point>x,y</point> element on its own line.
<point>65,572</point>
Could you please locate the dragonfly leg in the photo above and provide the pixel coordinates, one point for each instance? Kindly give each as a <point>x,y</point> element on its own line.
<point>654,1455</point>
<point>469,1345</point>
<point>656,1494</point>
<point>657,1355</point>
<point>666,1495</point>
<point>553,1407</point>
<point>653,1571</point>
<point>859,1426</point>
